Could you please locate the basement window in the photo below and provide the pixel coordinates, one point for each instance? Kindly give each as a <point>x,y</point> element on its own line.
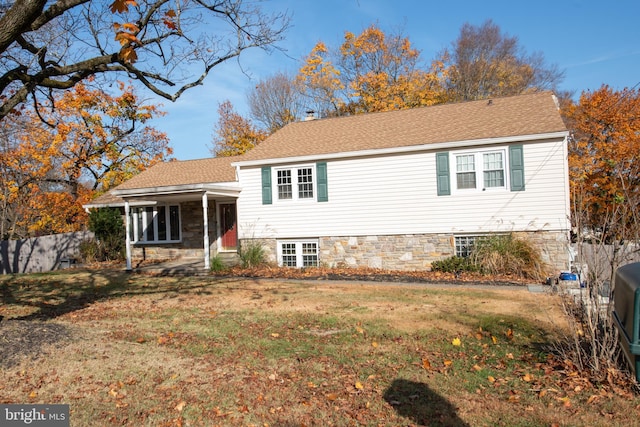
<point>298,254</point>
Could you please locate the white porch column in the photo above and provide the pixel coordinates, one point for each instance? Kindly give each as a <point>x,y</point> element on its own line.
<point>127,228</point>
<point>205,215</point>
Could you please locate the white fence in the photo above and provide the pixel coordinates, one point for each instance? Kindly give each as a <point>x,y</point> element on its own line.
<point>40,254</point>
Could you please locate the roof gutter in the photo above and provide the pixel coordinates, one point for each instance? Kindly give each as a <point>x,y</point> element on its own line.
<point>407,149</point>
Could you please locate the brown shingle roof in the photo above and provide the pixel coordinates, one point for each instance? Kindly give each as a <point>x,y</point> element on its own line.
<point>186,172</point>
<point>106,199</point>
<point>529,114</point>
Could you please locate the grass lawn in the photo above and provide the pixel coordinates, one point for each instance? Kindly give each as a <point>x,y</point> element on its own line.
<point>129,349</point>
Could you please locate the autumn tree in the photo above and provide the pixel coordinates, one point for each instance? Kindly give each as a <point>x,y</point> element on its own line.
<point>604,166</point>
<point>233,134</point>
<point>484,62</point>
<point>604,172</point>
<point>382,72</point>
<point>169,47</point>
<point>57,160</point>
<point>275,102</point>
<point>320,82</point>
<point>369,72</point>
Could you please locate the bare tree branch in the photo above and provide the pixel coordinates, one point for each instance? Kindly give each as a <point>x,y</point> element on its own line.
<point>160,43</point>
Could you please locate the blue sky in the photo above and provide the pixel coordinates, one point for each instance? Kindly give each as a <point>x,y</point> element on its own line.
<point>594,42</point>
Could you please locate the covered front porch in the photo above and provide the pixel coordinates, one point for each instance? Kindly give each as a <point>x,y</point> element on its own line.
<point>182,225</point>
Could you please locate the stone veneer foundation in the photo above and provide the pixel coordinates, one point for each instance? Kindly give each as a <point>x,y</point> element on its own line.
<point>413,251</point>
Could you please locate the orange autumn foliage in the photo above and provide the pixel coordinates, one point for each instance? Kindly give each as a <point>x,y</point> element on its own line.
<point>373,72</point>
<point>57,160</point>
<point>604,163</point>
<point>234,135</point>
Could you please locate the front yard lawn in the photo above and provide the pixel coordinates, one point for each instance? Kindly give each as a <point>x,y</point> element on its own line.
<point>130,349</point>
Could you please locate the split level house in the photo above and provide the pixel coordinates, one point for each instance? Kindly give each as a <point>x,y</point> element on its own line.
<point>393,190</point>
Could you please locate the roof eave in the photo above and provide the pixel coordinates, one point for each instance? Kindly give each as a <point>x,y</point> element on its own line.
<point>230,189</point>
<point>406,149</point>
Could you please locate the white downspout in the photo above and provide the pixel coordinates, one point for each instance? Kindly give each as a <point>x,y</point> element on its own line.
<point>205,214</point>
<point>127,228</point>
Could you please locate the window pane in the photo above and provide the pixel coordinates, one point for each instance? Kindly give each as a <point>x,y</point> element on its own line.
<point>465,168</point>
<point>162,223</point>
<point>309,255</point>
<point>305,183</point>
<point>288,254</point>
<point>464,245</point>
<point>494,179</point>
<point>465,163</point>
<point>139,222</point>
<point>492,161</point>
<point>466,180</point>
<point>150,229</point>
<point>285,190</point>
<point>174,222</point>
<point>493,169</point>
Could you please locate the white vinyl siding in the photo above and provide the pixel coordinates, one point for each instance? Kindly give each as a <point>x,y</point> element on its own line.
<point>398,195</point>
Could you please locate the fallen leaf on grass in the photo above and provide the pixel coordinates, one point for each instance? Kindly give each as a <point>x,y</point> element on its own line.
<point>180,406</point>
<point>275,335</point>
<point>426,364</point>
<point>331,396</point>
<point>456,342</point>
<point>374,344</point>
<point>359,385</point>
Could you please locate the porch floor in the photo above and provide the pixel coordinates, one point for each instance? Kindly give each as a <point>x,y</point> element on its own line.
<point>181,266</point>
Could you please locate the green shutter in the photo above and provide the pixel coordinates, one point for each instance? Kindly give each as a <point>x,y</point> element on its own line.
<point>442,170</point>
<point>516,167</point>
<point>266,185</point>
<point>323,190</point>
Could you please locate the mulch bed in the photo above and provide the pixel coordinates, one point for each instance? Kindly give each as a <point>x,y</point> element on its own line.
<point>374,275</point>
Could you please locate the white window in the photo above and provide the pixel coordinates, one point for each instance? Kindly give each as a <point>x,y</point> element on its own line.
<point>295,183</point>
<point>298,254</point>
<point>481,170</point>
<point>155,224</point>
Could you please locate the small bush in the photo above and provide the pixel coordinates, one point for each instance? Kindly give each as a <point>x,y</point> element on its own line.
<point>252,254</point>
<point>217,265</point>
<point>497,255</point>
<point>109,243</point>
<point>506,254</point>
<point>453,264</point>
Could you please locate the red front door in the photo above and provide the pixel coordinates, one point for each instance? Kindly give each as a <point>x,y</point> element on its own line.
<point>228,226</point>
